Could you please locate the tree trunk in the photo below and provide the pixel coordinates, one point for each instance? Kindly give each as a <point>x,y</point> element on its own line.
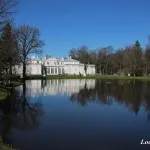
<point>7,76</point>
<point>10,70</point>
<point>100,69</point>
<point>106,69</point>
<point>119,65</point>
<point>24,70</point>
<point>103,71</point>
<point>146,69</point>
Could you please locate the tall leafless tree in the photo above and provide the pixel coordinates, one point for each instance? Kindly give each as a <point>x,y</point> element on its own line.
<point>27,42</point>
<point>146,57</point>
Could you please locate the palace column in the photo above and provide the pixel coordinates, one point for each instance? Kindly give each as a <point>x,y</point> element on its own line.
<point>60,70</point>
<point>49,70</point>
<point>54,70</point>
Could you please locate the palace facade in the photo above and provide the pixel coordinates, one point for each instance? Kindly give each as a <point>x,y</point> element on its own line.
<point>54,66</point>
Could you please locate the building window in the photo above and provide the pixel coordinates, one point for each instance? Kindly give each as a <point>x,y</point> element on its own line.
<point>48,70</point>
<point>59,70</point>
<point>52,70</point>
<point>55,70</point>
<point>63,71</point>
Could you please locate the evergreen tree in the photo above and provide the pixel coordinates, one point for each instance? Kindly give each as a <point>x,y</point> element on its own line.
<point>138,62</point>
<point>8,54</point>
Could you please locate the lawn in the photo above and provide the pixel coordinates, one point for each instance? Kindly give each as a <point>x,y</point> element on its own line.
<point>5,146</point>
<point>96,77</point>
<point>109,77</point>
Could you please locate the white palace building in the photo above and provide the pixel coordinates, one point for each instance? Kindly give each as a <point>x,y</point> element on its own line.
<point>55,66</point>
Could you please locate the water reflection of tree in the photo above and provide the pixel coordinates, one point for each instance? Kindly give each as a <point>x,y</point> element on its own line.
<point>127,93</point>
<point>19,112</point>
<point>146,91</point>
<point>131,94</point>
<point>87,95</point>
<point>82,96</point>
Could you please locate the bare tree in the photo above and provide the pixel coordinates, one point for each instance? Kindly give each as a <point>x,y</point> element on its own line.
<point>73,53</point>
<point>93,56</point>
<point>83,56</point>
<point>6,9</point>
<point>27,42</point>
<point>101,61</point>
<point>104,59</point>
<point>147,57</point>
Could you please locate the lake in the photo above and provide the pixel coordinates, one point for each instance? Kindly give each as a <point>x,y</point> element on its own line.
<point>77,114</point>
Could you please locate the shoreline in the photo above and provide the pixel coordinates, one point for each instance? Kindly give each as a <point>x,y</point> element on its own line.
<point>4,146</point>
<point>5,90</point>
<point>108,77</point>
<point>3,94</point>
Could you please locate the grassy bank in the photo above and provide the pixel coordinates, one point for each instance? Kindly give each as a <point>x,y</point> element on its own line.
<point>33,77</point>
<point>3,94</point>
<point>16,83</point>
<point>97,77</point>
<point>4,90</point>
<point>109,77</point>
<point>5,146</point>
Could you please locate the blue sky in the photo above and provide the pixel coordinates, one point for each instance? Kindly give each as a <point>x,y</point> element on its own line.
<point>66,24</point>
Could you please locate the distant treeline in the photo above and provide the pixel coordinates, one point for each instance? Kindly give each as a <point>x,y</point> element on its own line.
<point>133,60</point>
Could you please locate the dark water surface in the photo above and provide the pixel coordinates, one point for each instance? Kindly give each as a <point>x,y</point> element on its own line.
<point>77,115</point>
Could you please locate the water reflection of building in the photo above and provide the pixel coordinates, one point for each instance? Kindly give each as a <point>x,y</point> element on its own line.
<point>34,87</point>
<point>57,86</point>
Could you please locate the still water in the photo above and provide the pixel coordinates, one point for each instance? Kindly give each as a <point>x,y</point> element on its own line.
<point>77,115</point>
